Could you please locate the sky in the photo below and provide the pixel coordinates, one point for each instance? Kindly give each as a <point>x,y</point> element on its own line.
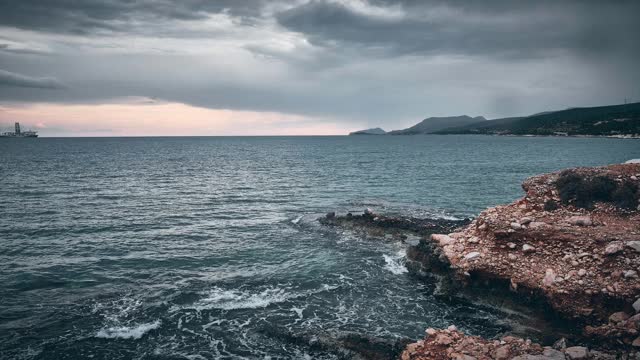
<point>305,67</point>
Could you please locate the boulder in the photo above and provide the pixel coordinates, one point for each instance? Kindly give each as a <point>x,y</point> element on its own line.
<point>525,220</point>
<point>503,353</point>
<point>443,339</point>
<point>537,224</point>
<point>576,352</point>
<point>636,305</point>
<point>613,248</point>
<point>442,239</point>
<point>549,277</point>
<point>472,255</point>
<point>580,220</point>
<point>553,354</point>
<point>618,317</point>
<point>635,245</point>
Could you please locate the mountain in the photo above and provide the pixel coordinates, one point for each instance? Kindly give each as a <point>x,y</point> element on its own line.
<point>374,131</point>
<point>601,120</point>
<point>433,124</point>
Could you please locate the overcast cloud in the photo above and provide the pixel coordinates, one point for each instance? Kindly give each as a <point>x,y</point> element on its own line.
<point>360,63</point>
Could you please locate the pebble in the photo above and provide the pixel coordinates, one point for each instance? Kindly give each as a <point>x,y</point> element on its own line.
<point>636,305</point>
<point>528,248</point>
<point>515,226</point>
<point>511,245</point>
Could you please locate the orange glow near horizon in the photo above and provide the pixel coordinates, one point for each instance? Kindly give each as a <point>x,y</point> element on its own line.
<point>158,119</point>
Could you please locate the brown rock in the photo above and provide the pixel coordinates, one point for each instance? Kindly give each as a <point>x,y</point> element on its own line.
<point>618,317</point>
<point>443,339</point>
<point>576,352</point>
<point>503,352</point>
<point>613,248</point>
<point>580,220</point>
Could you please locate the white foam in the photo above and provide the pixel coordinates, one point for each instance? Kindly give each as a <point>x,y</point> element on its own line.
<point>126,332</point>
<point>233,299</point>
<point>218,298</point>
<point>395,263</point>
<point>632,161</point>
<point>296,220</point>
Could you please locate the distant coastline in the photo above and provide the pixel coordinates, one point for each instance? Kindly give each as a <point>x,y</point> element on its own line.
<point>611,121</point>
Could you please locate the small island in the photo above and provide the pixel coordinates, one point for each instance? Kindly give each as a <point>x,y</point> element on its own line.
<point>373,131</point>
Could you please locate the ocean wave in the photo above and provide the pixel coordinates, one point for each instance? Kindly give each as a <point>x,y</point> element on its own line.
<point>234,299</point>
<point>128,332</point>
<point>395,263</point>
<point>223,299</point>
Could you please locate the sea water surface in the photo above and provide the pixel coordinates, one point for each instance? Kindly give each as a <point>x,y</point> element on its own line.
<point>206,248</point>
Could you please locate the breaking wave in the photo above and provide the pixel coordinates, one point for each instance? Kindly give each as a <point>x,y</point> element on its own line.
<point>395,263</point>
<point>223,299</point>
<point>126,332</point>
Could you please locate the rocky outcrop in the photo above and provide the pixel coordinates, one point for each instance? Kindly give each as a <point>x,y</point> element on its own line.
<point>452,344</point>
<point>571,243</point>
<point>374,225</point>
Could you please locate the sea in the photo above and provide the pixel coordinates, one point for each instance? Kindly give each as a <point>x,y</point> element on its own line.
<point>210,248</point>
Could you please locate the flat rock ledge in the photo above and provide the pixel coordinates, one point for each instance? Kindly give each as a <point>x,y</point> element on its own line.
<point>572,242</point>
<point>375,225</point>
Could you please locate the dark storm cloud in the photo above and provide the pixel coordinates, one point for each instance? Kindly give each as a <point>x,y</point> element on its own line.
<point>9,79</point>
<point>83,17</point>
<point>488,28</point>
<point>353,60</point>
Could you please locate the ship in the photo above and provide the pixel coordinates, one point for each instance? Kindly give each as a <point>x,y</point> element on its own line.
<point>20,134</point>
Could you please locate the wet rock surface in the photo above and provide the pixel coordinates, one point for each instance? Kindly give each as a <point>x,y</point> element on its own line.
<point>372,224</point>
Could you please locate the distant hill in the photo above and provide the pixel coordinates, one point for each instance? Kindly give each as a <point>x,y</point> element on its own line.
<point>374,131</point>
<point>609,120</point>
<point>433,124</point>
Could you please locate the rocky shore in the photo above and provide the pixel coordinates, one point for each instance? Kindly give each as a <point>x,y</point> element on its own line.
<point>570,246</point>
